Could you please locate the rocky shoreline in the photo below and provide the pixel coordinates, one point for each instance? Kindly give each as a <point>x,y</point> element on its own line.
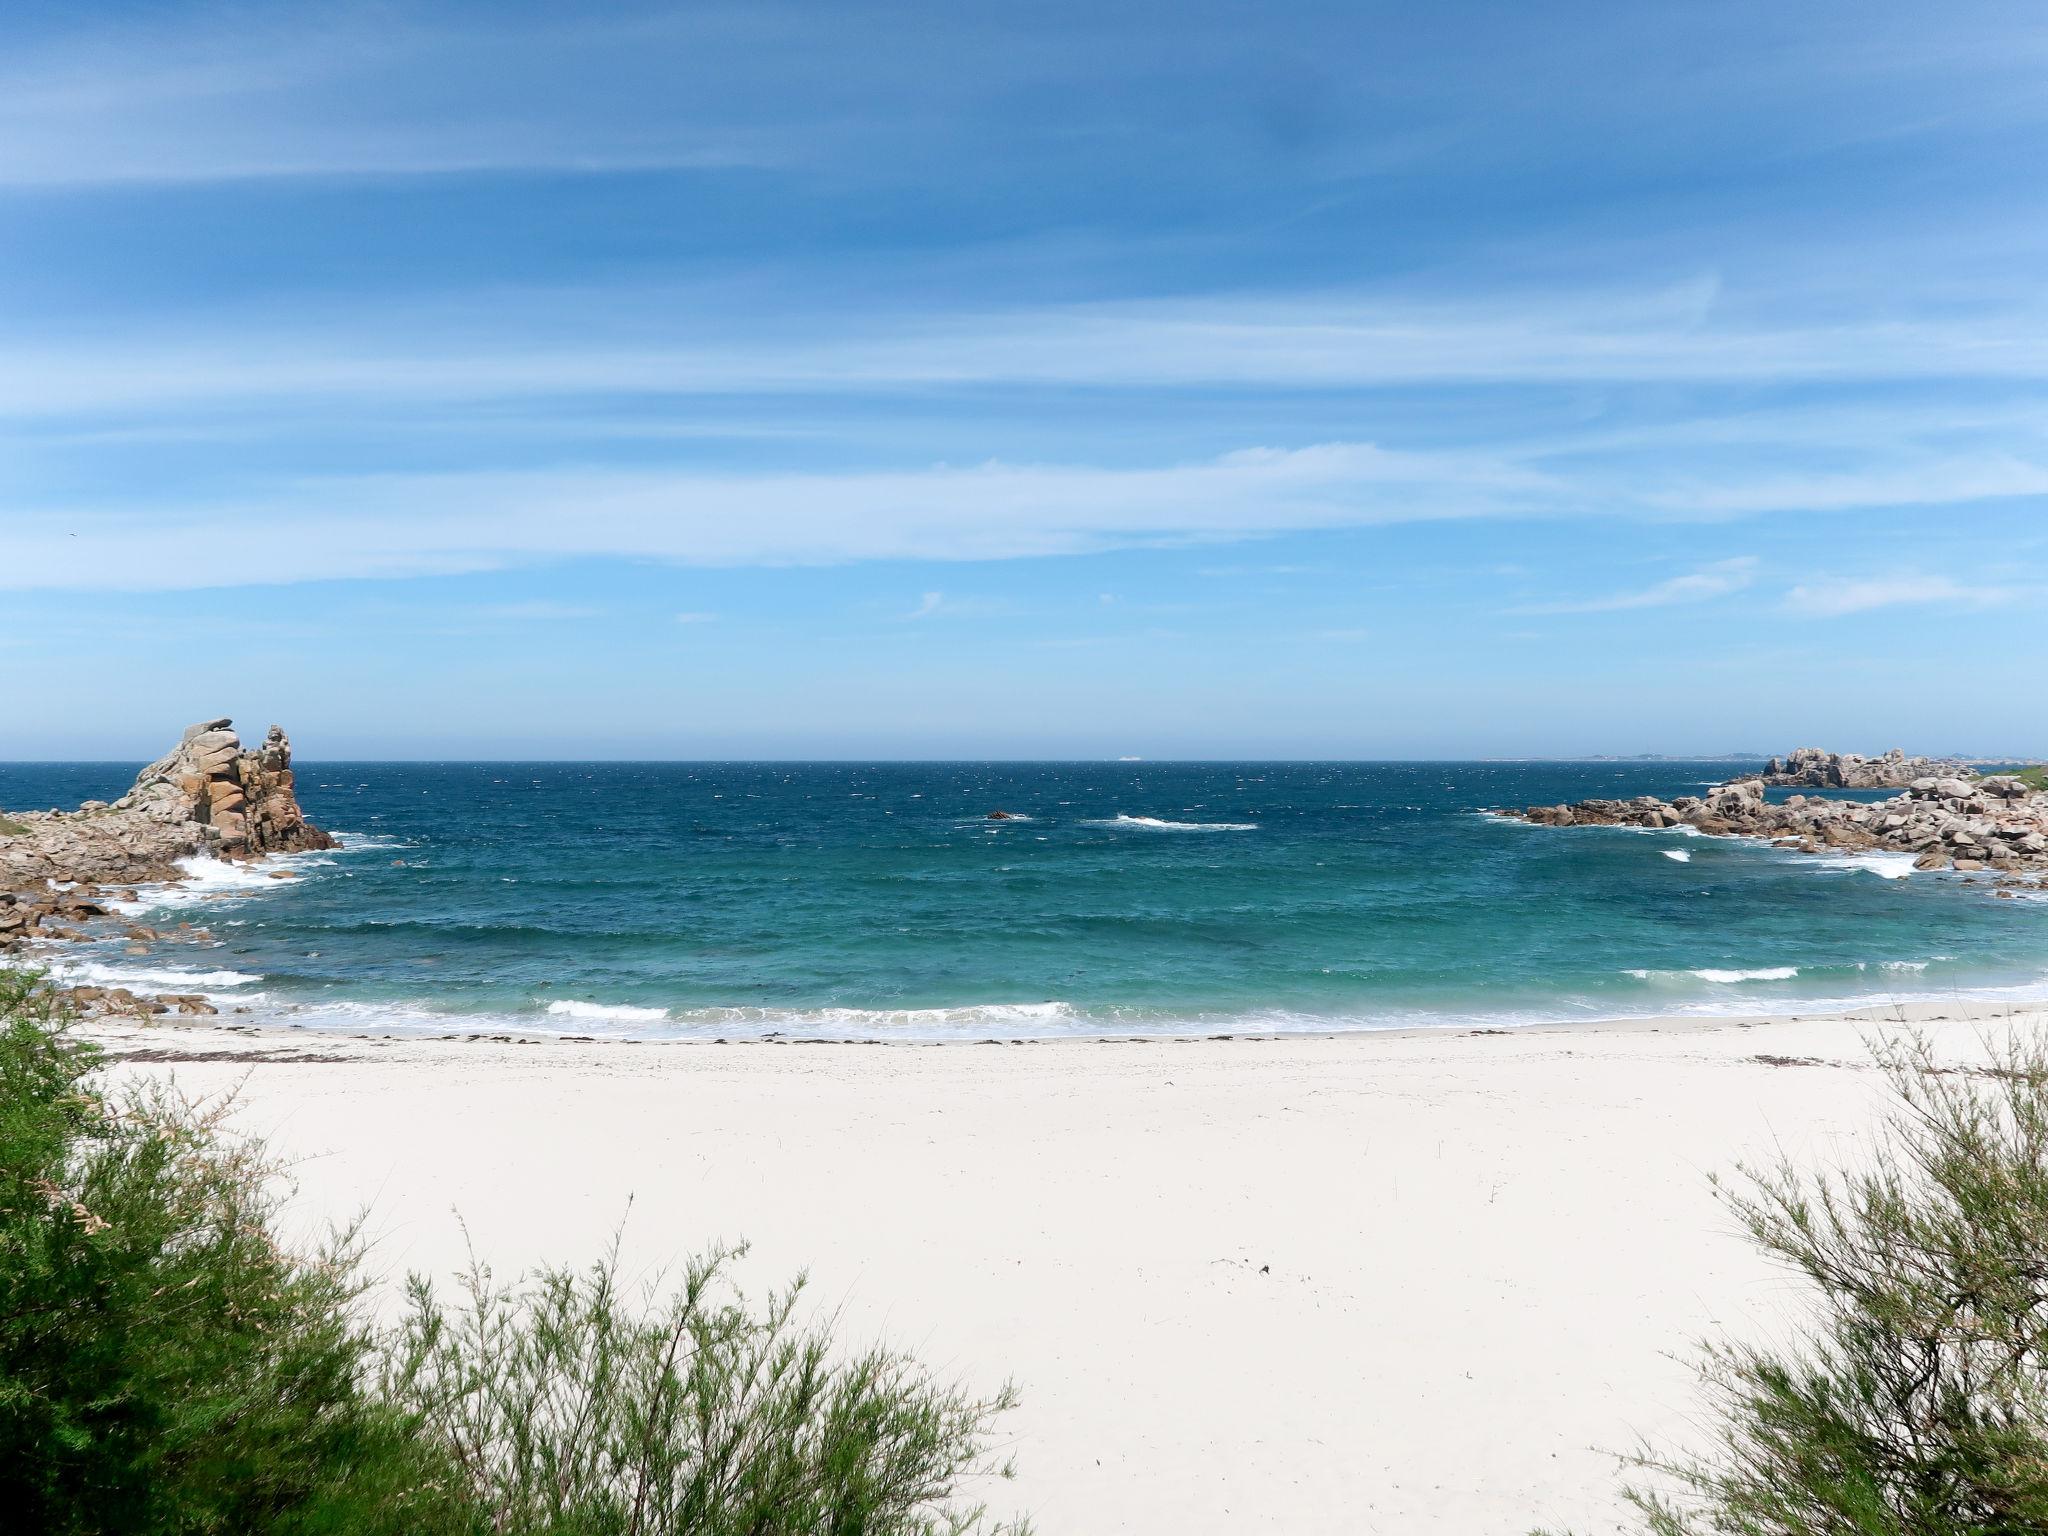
<point>63,874</point>
<point>1996,825</point>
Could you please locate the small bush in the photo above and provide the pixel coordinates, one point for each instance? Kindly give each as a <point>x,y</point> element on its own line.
<point>167,1366</point>
<point>1919,1405</point>
<point>575,1414</point>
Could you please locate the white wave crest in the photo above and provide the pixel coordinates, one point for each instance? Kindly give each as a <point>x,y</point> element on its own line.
<point>624,1013</point>
<point>1154,824</point>
<point>148,978</point>
<point>367,842</point>
<point>1766,973</point>
<point>1682,855</point>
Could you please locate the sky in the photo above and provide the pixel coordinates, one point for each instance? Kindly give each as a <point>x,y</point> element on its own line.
<point>951,380</point>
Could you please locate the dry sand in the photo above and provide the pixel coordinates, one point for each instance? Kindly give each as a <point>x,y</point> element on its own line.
<point>1414,1283</point>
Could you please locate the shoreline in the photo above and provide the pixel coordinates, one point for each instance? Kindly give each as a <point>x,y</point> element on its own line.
<point>215,1038</point>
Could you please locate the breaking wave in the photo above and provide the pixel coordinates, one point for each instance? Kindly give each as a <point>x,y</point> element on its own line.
<point>1154,824</point>
<point>624,1013</point>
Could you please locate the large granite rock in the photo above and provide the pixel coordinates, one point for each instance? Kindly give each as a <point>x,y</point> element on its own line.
<point>244,800</point>
<point>206,796</point>
<point>1811,768</point>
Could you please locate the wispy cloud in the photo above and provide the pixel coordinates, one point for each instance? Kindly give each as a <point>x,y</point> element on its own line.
<point>1721,579</point>
<point>511,349</point>
<point>375,526</point>
<point>1835,597</point>
<point>233,96</point>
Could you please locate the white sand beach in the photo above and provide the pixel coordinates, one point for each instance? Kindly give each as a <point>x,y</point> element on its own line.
<point>1417,1283</point>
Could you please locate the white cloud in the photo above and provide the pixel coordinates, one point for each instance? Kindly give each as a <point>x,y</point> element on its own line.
<point>234,96</point>
<point>391,526</point>
<point>1833,597</point>
<point>456,350</point>
<point>1721,579</point>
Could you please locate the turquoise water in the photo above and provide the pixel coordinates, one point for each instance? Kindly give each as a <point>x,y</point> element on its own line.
<point>876,900</point>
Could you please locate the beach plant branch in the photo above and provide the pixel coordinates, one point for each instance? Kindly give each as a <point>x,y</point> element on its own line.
<point>572,1409</point>
<point>1916,1403</point>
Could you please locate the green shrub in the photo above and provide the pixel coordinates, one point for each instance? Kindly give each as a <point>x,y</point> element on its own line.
<point>1918,1406</point>
<point>573,1413</point>
<point>167,1366</point>
<point>164,1364</point>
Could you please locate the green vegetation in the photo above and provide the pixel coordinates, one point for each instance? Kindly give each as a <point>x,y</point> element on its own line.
<point>1918,1406</point>
<point>12,828</point>
<point>2035,777</point>
<point>167,1365</point>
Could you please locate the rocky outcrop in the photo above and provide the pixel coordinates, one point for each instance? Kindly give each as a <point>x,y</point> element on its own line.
<point>206,796</point>
<point>1945,822</point>
<point>1811,768</point>
<point>244,800</point>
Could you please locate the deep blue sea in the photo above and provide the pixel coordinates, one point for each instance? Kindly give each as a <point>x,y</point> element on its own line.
<point>878,901</point>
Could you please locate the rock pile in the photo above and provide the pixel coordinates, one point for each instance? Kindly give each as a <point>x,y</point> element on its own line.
<point>1811,768</point>
<point>1945,821</point>
<point>206,796</point>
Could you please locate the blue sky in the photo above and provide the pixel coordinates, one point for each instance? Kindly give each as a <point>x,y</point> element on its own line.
<point>1190,379</point>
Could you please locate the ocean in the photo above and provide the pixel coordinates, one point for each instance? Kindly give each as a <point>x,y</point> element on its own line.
<point>879,901</point>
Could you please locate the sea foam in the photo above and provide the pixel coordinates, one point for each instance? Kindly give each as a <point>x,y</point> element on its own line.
<point>623,1013</point>
<point>1154,824</point>
<point>147,977</point>
<point>1887,866</point>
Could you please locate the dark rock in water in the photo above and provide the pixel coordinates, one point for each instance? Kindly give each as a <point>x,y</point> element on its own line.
<point>1001,816</point>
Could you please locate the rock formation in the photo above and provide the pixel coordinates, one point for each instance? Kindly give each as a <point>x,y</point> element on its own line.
<point>1945,821</point>
<point>207,796</point>
<point>1811,768</point>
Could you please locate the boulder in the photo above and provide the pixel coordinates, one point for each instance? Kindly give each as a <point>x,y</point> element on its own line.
<point>1812,768</point>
